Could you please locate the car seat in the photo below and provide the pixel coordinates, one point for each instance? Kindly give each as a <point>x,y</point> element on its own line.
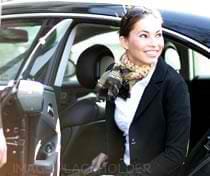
<point>171,56</point>
<point>82,117</point>
<point>91,64</point>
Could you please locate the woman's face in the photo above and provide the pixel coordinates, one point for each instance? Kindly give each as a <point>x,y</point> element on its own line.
<point>145,41</point>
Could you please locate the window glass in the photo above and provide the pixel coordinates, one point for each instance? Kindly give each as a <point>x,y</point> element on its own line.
<point>16,37</point>
<point>46,50</point>
<point>201,65</point>
<point>188,62</point>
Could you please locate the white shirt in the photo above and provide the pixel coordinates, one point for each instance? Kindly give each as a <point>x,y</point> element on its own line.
<point>126,109</point>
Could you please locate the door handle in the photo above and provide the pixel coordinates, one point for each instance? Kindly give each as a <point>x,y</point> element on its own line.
<point>50,110</point>
<point>15,141</point>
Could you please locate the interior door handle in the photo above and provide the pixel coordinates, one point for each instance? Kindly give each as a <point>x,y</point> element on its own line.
<point>50,110</point>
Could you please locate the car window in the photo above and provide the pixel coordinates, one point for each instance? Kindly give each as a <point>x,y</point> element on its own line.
<point>45,52</point>
<point>16,37</point>
<point>201,65</point>
<point>187,61</point>
<point>100,34</point>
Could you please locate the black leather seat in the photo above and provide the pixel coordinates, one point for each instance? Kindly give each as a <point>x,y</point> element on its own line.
<point>77,120</point>
<point>90,66</point>
<point>92,63</point>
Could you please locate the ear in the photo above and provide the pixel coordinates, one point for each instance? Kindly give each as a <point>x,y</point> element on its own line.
<point>124,42</point>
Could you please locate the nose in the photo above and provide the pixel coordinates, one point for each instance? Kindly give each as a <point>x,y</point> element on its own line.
<point>153,41</point>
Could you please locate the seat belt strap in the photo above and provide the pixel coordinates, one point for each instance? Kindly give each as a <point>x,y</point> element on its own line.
<point>202,164</point>
<point>207,160</point>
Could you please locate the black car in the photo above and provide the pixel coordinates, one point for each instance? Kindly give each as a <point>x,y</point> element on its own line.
<point>52,54</point>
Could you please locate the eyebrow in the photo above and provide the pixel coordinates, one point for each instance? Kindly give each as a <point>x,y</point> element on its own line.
<point>149,32</point>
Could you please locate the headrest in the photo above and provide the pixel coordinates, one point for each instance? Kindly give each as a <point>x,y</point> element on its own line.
<point>171,56</point>
<point>92,63</point>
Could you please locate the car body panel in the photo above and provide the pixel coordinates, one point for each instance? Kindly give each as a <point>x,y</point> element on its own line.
<point>183,26</point>
<point>36,128</point>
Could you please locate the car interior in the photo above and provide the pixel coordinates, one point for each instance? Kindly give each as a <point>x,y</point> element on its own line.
<point>82,124</point>
<point>82,115</point>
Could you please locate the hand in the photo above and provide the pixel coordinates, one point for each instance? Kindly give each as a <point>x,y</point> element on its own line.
<point>97,163</point>
<point>111,81</point>
<point>3,149</point>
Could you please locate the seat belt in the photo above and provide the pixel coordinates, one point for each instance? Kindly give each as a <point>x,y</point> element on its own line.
<point>207,158</point>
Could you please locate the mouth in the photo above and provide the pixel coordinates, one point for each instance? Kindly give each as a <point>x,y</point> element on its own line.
<point>152,53</point>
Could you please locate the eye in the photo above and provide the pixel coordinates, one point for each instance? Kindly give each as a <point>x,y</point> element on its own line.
<point>143,35</point>
<point>158,35</point>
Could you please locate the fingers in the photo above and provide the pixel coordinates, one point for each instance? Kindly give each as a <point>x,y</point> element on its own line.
<point>111,81</point>
<point>104,164</point>
<point>3,151</point>
<point>3,148</point>
<point>114,86</point>
<point>98,163</point>
<point>88,170</point>
<point>93,163</point>
<point>101,84</point>
<point>113,90</point>
<point>3,158</point>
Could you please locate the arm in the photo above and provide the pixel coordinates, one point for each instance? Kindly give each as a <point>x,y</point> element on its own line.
<point>3,149</point>
<point>177,111</point>
<point>3,145</point>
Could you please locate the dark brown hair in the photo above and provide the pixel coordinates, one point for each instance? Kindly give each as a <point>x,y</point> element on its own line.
<point>133,15</point>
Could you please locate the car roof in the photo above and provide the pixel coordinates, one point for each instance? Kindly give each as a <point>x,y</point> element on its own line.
<point>192,26</point>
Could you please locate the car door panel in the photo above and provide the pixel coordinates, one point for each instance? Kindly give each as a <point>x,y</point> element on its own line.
<point>31,109</point>
<point>45,149</point>
<point>14,130</point>
<point>31,133</point>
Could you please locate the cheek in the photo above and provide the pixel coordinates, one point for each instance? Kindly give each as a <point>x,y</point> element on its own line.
<point>138,44</point>
<point>134,42</point>
<point>161,43</point>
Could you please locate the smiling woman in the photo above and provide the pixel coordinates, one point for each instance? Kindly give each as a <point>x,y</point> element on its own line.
<point>144,96</point>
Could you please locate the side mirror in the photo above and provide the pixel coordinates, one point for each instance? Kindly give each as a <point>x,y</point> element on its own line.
<point>12,35</point>
<point>30,95</point>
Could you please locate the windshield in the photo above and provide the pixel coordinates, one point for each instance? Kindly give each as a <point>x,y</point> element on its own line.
<point>16,38</point>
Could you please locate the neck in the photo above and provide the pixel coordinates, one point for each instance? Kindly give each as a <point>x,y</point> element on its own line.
<point>136,71</point>
<point>134,62</point>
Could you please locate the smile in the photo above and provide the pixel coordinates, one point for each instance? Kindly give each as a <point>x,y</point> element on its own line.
<point>152,53</point>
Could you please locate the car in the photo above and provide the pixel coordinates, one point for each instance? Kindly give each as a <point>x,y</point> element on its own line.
<point>53,52</point>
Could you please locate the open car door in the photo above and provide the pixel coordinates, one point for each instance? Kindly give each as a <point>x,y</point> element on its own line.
<point>29,110</point>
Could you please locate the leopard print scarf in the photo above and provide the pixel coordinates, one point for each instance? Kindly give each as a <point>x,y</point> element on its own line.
<point>131,72</point>
<point>119,80</point>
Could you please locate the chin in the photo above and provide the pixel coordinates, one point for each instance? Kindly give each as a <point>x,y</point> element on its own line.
<point>152,60</point>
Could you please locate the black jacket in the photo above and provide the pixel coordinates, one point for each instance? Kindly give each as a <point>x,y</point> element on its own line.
<point>160,131</point>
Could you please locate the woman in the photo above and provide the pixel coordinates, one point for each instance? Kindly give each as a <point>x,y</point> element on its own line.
<point>148,107</point>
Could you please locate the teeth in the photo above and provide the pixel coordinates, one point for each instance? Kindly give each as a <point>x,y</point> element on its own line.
<point>151,52</point>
